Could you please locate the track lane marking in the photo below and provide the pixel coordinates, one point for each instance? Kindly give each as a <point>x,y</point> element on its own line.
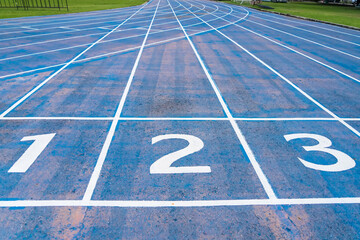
<point>169,203</point>
<point>81,45</point>
<point>286,80</point>
<point>71,47</point>
<point>175,119</point>
<point>293,50</point>
<point>63,67</point>
<point>96,173</point>
<point>307,40</point>
<point>306,24</point>
<point>73,31</point>
<point>305,30</point>
<point>71,26</point>
<point>263,179</point>
<point>116,52</point>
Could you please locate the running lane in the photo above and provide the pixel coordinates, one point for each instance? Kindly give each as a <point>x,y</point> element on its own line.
<point>178,119</point>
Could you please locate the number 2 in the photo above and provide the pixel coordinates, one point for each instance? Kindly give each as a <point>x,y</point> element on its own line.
<point>163,165</point>
<point>344,161</point>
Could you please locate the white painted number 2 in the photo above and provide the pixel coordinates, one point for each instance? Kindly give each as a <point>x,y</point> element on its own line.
<point>163,165</point>
<point>30,155</point>
<point>344,161</point>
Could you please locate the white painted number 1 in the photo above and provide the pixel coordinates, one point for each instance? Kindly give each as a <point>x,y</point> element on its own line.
<point>30,155</point>
<point>163,165</point>
<point>344,161</point>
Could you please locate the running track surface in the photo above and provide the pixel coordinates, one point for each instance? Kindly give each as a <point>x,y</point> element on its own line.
<point>179,119</point>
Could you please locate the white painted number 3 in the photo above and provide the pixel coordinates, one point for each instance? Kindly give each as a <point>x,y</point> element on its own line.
<point>30,155</point>
<point>344,161</point>
<point>163,165</point>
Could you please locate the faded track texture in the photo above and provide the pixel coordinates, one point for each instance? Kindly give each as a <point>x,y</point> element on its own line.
<point>179,120</point>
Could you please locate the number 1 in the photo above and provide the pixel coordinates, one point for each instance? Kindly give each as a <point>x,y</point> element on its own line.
<point>30,155</point>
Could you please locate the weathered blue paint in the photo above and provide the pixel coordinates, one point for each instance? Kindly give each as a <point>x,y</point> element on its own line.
<point>288,176</point>
<point>127,175</point>
<point>170,82</point>
<point>62,170</point>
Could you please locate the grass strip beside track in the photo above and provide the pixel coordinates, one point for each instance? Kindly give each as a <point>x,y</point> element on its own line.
<point>345,15</point>
<point>75,6</point>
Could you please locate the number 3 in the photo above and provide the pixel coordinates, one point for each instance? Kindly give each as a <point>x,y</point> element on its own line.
<point>344,161</point>
<point>163,165</point>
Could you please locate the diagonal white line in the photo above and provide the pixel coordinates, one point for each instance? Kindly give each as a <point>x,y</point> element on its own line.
<point>124,50</point>
<point>307,24</point>
<point>65,66</point>
<point>263,179</point>
<point>293,50</point>
<point>96,173</point>
<point>285,79</point>
<point>108,20</point>
<point>83,44</point>
<point>107,17</point>
<point>307,40</point>
<point>68,18</point>
<point>305,30</point>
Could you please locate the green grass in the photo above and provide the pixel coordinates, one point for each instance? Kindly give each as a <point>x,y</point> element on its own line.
<point>74,7</point>
<point>345,15</point>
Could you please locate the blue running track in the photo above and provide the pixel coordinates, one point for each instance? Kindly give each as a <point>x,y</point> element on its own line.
<point>179,119</point>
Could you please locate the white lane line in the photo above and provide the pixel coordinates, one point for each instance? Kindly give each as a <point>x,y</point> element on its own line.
<point>77,25</point>
<point>69,18</point>
<point>293,50</point>
<point>142,28</point>
<point>69,28</point>
<point>103,28</point>
<point>169,203</point>
<point>96,173</point>
<point>108,27</point>
<point>59,24</point>
<point>62,68</point>
<point>305,39</point>
<point>307,24</point>
<point>71,47</point>
<point>81,45</point>
<point>305,30</point>
<point>53,40</point>
<point>288,81</point>
<point>120,51</point>
<point>34,29</point>
<point>76,16</point>
<point>74,31</point>
<point>295,119</point>
<point>175,119</point>
<point>32,70</point>
<point>172,119</point>
<point>54,33</point>
<point>59,118</point>
<point>263,179</point>
<point>302,54</point>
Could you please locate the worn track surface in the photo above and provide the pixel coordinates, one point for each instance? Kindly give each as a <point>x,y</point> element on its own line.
<point>179,119</point>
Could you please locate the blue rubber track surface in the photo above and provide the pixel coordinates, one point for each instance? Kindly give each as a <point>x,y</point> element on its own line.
<point>179,119</point>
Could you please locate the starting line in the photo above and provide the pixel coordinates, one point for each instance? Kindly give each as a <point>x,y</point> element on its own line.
<point>194,203</point>
<point>175,119</point>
